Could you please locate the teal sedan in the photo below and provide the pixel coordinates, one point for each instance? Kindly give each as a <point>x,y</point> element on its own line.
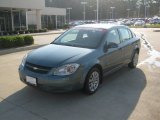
<point>80,57</point>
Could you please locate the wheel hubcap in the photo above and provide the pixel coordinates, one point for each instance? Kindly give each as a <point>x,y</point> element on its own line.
<point>135,60</point>
<point>94,81</point>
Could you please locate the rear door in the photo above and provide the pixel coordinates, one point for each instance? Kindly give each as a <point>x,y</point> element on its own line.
<point>126,43</point>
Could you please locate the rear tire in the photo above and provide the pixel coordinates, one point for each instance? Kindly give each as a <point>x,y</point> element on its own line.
<point>92,81</point>
<point>134,61</point>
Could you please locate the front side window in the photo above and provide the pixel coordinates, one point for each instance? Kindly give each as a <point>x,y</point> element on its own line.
<point>113,37</point>
<point>81,37</point>
<point>124,34</point>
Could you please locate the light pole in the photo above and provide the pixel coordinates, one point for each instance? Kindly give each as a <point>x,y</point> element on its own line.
<point>145,11</point>
<point>90,15</point>
<point>138,14</point>
<point>146,6</point>
<point>128,12</point>
<point>84,12</point>
<point>97,10</point>
<point>69,14</point>
<point>112,8</point>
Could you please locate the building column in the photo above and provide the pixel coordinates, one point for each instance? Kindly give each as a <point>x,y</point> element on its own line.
<point>26,19</point>
<point>12,20</point>
<point>56,21</point>
<point>19,20</point>
<point>38,19</point>
<point>65,19</point>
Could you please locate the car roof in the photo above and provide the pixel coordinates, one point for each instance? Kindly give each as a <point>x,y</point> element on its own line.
<point>100,26</point>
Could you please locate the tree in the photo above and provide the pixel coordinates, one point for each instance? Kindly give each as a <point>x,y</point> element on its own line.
<point>137,7</point>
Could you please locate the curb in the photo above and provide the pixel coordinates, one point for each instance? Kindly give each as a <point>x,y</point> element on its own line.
<point>156,30</point>
<point>38,34</point>
<point>19,49</point>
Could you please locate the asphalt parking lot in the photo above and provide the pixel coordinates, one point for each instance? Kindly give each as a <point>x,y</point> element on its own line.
<point>125,95</point>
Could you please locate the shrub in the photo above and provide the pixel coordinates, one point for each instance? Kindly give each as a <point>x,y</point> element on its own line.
<point>32,27</point>
<point>6,42</point>
<point>45,30</point>
<point>15,32</point>
<point>26,31</point>
<point>15,41</point>
<point>5,33</point>
<point>28,40</point>
<point>154,26</point>
<point>66,26</point>
<point>31,31</point>
<point>41,30</point>
<point>11,32</point>
<point>18,41</point>
<point>36,31</point>
<point>0,43</point>
<point>21,32</point>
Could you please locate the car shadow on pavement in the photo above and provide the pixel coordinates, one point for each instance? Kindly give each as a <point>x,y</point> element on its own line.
<point>115,100</point>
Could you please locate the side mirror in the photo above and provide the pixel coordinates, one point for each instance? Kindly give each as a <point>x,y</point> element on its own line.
<point>110,45</point>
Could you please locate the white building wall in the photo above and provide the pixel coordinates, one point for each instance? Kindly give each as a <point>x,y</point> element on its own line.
<point>53,11</point>
<point>28,4</point>
<point>46,11</point>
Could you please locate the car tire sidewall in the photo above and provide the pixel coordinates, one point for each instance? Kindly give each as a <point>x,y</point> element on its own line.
<point>131,64</point>
<point>86,85</point>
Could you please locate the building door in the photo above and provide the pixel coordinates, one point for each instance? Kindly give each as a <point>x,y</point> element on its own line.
<point>2,25</point>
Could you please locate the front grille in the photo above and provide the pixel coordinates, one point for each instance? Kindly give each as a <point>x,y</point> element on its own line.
<point>37,68</point>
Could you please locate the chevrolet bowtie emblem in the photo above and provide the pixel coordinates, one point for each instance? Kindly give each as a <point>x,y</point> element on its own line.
<point>35,68</point>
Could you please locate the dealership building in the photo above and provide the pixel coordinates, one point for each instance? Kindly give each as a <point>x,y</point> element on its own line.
<point>26,14</point>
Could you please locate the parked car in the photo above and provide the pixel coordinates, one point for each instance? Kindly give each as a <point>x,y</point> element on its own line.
<point>154,21</point>
<point>139,23</point>
<point>80,57</point>
<point>129,23</point>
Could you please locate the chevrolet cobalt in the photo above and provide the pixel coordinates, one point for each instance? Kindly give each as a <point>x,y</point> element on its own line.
<point>80,57</point>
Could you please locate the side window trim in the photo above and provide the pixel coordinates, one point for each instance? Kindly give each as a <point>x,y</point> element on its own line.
<point>130,33</point>
<point>119,34</point>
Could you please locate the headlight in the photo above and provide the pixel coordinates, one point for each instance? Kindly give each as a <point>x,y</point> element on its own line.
<point>24,60</point>
<point>66,69</point>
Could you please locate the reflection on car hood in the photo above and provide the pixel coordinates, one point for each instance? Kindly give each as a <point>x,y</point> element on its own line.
<point>54,55</point>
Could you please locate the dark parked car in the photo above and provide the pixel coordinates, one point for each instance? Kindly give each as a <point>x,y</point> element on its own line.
<point>80,57</point>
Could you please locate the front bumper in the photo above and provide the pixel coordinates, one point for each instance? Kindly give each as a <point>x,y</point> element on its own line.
<point>51,82</point>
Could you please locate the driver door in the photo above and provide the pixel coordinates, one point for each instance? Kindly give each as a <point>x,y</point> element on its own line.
<point>113,55</point>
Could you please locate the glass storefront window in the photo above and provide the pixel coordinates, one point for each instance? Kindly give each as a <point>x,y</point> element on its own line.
<point>19,19</point>
<point>50,21</point>
<point>5,20</point>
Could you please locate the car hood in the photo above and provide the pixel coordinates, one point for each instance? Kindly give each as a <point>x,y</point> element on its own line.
<point>54,55</point>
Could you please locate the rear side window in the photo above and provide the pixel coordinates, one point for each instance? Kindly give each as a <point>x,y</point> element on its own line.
<point>130,34</point>
<point>125,34</point>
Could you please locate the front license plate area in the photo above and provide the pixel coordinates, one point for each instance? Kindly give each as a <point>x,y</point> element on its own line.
<point>31,80</point>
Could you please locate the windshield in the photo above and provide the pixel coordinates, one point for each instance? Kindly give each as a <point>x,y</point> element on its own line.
<point>81,37</point>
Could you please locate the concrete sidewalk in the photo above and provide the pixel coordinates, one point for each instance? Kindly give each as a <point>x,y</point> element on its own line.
<point>40,39</point>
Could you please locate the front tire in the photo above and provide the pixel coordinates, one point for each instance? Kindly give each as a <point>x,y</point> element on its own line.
<point>92,81</point>
<point>134,61</point>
